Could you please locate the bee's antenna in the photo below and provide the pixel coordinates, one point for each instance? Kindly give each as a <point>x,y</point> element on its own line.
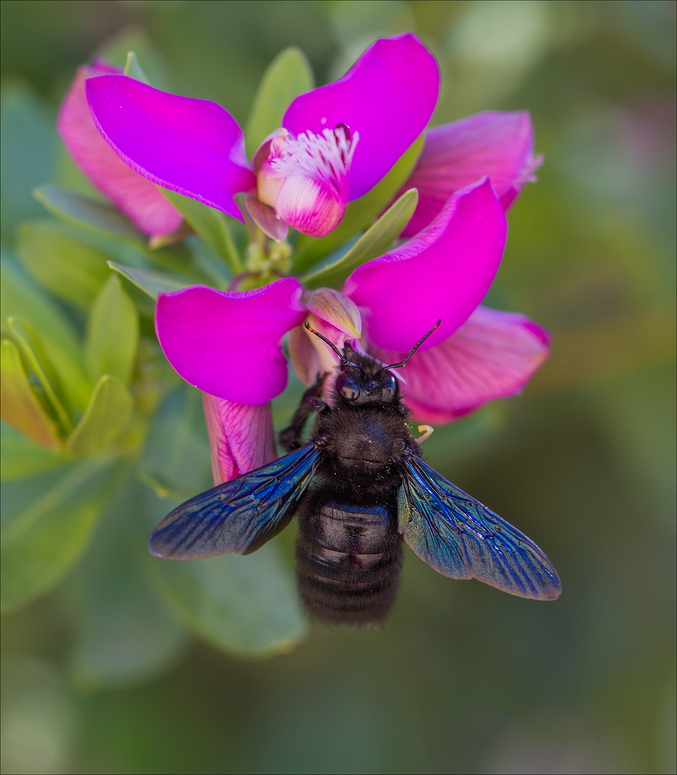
<point>323,338</point>
<point>332,345</point>
<point>413,349</point>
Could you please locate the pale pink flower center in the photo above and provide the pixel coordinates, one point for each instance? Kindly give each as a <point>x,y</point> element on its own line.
<point>325,157</point>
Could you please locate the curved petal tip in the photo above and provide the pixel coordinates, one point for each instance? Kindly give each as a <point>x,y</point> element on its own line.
<point>229,344</point>
<point>187,145</point>
<point>388,97</point>
<point>442,273</point>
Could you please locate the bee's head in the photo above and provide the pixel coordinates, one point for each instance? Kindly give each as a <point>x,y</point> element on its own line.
<point>362,379</point>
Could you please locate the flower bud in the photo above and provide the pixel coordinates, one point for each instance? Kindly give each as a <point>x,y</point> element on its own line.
<point>306,178</point>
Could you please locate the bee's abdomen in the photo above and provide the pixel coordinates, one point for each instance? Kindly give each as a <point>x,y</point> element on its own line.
<point>348,560</point>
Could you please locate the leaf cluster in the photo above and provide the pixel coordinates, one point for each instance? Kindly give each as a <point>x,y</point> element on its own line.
<point>100,439</point>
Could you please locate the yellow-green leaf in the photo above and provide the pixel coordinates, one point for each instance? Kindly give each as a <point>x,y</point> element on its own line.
<point>133,68</point>
<point>71,269</point>
<point>374,242</point>
<point>44,539</point>
<point>21,298</point>
<point>33,350</point>
<point>20,405</point>
<point>112,333</point>
<point>149,281</point>
<point>210,224</point>
<point>287,76</point>
<point>108,414</point>
<point>82,211</point>
<point>22,457</point>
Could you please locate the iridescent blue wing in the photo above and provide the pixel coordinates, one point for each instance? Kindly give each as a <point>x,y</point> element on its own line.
<point>459,537</point>
<point>239,515</point>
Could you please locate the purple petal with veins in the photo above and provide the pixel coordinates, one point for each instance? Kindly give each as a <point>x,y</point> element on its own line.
<point>442,273</point>
<point>229,344</point>
<point>241,437</point>
<point>187,145</point>
<point>492,355</point>
<point>493,144</point>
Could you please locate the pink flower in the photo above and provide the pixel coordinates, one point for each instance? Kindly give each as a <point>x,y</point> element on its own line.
<point>498,145</point>
<point>492,355</point>
<point>228,344</point>
<point>241,437</point>
<point>336,142</point>
<point>138,199</point>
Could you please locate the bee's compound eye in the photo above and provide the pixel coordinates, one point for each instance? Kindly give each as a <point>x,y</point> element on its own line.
<point>347,388</point>
<point>393,385</point>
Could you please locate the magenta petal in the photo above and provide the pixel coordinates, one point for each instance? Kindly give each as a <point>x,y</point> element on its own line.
<point>241,437</point>
<point>388,97</point>
<point>228,344</point>
<point>191,146</point>
<point>498,145</point>
<point>442,273</point>
<point>309,206</point>
<point>136,197</point>
<point>492,355</point>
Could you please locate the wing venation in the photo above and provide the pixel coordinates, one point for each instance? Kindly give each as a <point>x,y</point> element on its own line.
<point>239,515</point>
<point>459,537</point>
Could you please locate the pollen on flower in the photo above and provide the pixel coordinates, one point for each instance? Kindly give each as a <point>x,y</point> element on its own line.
<point>323,157</point>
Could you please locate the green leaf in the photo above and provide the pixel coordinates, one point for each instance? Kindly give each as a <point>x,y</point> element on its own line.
<point>176,456</point>
<point>22,298</point>
<point>112,333</point>
<point>361,213</point>
<point>34,353</point>
<point>209,263</point>
<point>81,211</point>
<point>149,281</point>
<point>44,537</point>
<point>117,47</point>
<point>71,269</point>
<point>20,406</point>
<point>212,225</point>
<point>126,633</point>
<point>133,68</point>
<point>247,606</point>
<point>109,411</point>
<point>22,458</point>
<point>287,76</point>
<point>374,242</point>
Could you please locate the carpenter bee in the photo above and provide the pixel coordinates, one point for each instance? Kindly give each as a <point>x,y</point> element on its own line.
<point>359,488</point>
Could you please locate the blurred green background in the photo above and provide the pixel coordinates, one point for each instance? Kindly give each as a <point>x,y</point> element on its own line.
<point>462,678</point>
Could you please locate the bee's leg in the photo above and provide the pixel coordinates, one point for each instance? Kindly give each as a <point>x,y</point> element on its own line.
<point>290,438</point>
